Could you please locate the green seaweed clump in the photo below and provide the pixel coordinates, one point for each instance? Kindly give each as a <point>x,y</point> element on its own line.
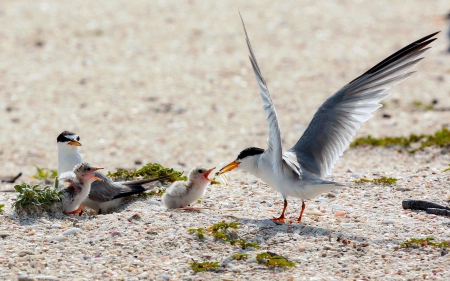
<point>240,257</point>
<point>1,208</point>
<point>45,174</point>
<point>33,196</point>
<point>150,170</point>
<point>382,180</point>
<point>204,266</point>
<point>424,242</point>
<point>422,106</point>
<point>220,232</point>
<point>440,138</point>
<point>273,260</point>
<point>150,193</point>
<point>243,243</point>
<point>200,232</point>
<point>223,226</point>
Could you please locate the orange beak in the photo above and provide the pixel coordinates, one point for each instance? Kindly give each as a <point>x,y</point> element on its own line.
<point>233,165</point>
<point>96,178</point>
<point>209,172</point>
<point>74,143</point>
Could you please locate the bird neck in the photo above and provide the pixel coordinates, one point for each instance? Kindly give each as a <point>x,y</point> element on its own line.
<point>67,159</point>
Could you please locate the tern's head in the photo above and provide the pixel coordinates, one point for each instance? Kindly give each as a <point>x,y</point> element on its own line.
<point>68,141</point>
<point>200,174</point>
<point>245,160</point>
<point>84,172</point>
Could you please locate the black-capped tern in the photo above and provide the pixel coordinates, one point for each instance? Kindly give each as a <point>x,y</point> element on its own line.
<point>105,195</point>
<point>298,172</point>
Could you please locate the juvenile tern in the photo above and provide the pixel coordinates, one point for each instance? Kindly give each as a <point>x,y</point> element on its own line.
<point>76,187</point>
<point>183,193</point>
<point>298,172</point>
<point>106,194</point>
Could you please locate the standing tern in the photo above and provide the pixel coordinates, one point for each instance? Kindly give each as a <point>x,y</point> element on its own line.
<point>183,193</point>
<point>76,187</point>
<point>106,194</point>
<point>298,172</point>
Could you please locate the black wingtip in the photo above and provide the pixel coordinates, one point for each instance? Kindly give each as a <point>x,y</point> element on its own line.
<point>411,48</point>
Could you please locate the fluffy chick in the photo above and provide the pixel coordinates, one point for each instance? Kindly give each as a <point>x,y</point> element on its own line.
<point>183,193</point>
<point>76,187</point>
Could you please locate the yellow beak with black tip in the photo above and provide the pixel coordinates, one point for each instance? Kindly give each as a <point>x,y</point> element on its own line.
<point>74,143</point>
<point>233,165</point>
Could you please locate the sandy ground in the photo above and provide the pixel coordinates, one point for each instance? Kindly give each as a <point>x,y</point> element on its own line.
<point>170,82</point>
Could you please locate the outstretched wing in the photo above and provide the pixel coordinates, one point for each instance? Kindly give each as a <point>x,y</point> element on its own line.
<point>337,119</point>
<point>274,140</point>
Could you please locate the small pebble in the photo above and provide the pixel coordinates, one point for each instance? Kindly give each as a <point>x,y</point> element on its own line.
<point>59,238</point>
<point>154,202</point>
<point>46,277</point>
<point>339,214</point>
<point>164,277</point>
<point>4,234</point>
<point>71,231</point>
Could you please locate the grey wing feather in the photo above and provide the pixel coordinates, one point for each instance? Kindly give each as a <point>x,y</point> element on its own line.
<point>274,140</point>
<point>143,181</point>
<point>335,123</point>
<point>105,190</point>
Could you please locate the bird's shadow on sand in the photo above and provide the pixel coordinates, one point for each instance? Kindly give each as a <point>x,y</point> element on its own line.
<point>269,229</point>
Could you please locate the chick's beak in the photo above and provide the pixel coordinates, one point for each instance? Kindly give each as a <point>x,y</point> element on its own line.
<point>209,172</point>
<point>233,165</point>
<point>96,178</point>
<point>74,143</point>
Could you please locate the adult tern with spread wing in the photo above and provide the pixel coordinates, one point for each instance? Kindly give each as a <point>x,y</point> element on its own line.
<point>298,172</point>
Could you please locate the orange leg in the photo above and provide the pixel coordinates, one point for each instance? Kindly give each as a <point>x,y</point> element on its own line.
<point>77,211</point>
<point>281,218</point>
<point>301,213</point>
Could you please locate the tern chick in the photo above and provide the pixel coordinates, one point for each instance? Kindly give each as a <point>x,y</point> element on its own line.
<point>183,193</point>
<point>76,187</point>
<point>298,172</point>
<point>105,195</point>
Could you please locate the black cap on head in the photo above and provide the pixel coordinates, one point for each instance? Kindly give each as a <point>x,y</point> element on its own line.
<point>250,152</point>
<point>67,136</point>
